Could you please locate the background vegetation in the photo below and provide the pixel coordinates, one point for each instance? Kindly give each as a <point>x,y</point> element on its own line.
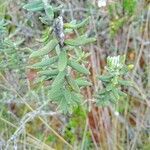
<point>85,86</point>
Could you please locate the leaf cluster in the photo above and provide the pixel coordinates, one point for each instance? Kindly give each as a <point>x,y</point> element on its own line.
<point>120,14</point>
<point>61,63</point>
<point>56,63</point>
<point>113,80</point>
<point>43,6</point>
<point>10,57</point>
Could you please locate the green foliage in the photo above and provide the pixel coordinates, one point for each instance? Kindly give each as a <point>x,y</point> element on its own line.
<point>73,25</point>
<point>72,83</point>
<point>78,67</point>
<point>129,6</point>
<point>3,7</point>
<point>45,62</point>
<point>34,6</point>
<point>2,26</point>
<point>48,11</point>
<point>64,90</point>
<point>46,49</point>
<point>75,127</point>
<point>49,73</point>
<point>10,56</point>
<point>79,41</point>
<point>43,6</point>
<point>112,81</point>
<point>115,25</point>
<point>62,62</point>
<point>58,72</point>
<point>117,19</point>
<point>13,60</point>
<point>59,79</point>
<point>82,82</point>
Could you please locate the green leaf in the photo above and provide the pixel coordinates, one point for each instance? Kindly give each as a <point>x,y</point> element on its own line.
<point>72,83</point>
<point>76,26</point>
<point>58,8</point>
<point>78,67</point>
<point>62,61</point>
<point>125,83</point>
<point>102,100</point>
<point>36,5</point>
<point>3,7</point>
<point>55,94</point>
<point>115,93</point>
<point>77,97</point>
<point>59,79</point>
<point>64,107</point>
<point>106,78</point>
<point>112,98</point>
<point>49,11</point>
<point>82,82</point>
<point>79,41</point>
<point>109,87</point>
<point>45,63</point>
<point>46,49</point>
<point>49,72</point>
<point>102,92</point>
<point>129,6</point>
<point>67,95</point>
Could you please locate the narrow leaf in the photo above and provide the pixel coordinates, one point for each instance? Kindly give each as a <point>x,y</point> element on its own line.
<point>36,5</point>
<point>79,41</point>
<point>82,82</point>
<point>112,98</point>
<point>46,49</point>
<point>115,93</point>
<point>67,95</point>
<point>76,26</point>
<point>55,94</point>
<point>49,72</point>
<point>77,97</point>
<point>62,62</point>
<point>106,78</point>
<point>59,79</point>
<point>72,83</point>
<point>49,11</point>
<point>125,83</point>
<point>78,67</point>
<point>64,107</point>
<point>45,62</point>
<point>58,8</point>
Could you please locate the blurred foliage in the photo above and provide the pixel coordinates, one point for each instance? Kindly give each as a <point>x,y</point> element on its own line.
<point>121,14</point>
<point>129,7</point>
<point>75,127</point>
